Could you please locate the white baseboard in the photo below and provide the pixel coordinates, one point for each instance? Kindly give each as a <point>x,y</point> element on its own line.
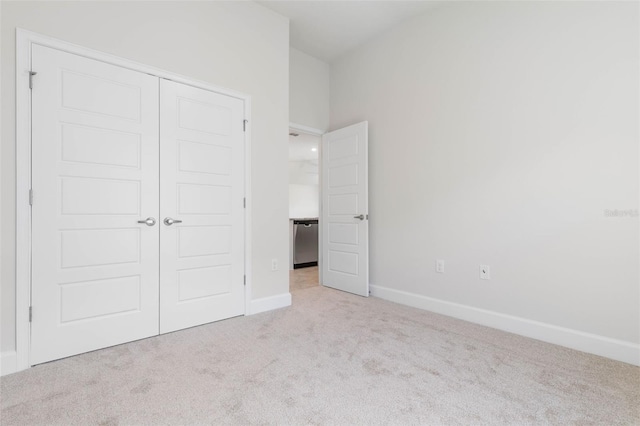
<point>269,303</point>
<point>619,350</point>
<point>8,363</point>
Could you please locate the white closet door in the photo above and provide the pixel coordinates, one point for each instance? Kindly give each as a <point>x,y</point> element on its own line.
<point>95,175</point>
<point>202,185</point>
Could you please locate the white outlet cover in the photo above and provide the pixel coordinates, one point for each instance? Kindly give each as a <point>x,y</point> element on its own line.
<point>440,266</point>
<point>485,272</point>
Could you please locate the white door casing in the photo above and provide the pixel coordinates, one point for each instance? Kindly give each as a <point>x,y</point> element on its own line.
<point>94,176</point>
<point>202,185</point>
<point>344,217</point>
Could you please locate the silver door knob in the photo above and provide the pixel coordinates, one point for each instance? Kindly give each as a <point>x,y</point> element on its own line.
<point>360,216</point>
<point>169,221</point>
<point>148,221</point>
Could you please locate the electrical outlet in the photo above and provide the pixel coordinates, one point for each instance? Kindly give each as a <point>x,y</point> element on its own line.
<point>485,272</point>
<point>440,266</point>
<point>274,264</point>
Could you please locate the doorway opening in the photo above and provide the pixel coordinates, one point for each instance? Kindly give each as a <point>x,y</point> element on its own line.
<point>304,209</point>
<point>330,229</point>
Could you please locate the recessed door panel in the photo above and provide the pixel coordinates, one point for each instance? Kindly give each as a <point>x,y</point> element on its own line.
<point>343,233</point>
<point>204,199</point>
<point>204,158</point>
<point>198,283</point>
<point>343,204</point>
<point>206,116</point>
<point>95,175</point>
<point>91,196</point>
<point>343,262</point>
<point>88,92</point>
<point>203,240</point>
<point>81,248</point>
<point>99,298</point>
<point>91,145</point>
<point>346,175</point>
<point>339,148</point>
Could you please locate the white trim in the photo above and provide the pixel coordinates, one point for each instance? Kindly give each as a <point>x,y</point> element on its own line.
<point>24,40</point>
<point>8,363</point>
<point>248,269</point>
<point>592,343</point>
<point>306,129</point>
<point>23,210</point>
<point>270,303</point>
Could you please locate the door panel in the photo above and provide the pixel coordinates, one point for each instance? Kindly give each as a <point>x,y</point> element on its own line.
<point>202,184</point>
<point>95,174</point>
<point>344,220</point>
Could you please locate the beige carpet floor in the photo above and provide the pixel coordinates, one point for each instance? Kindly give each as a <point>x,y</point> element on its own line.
<point>331,358</point>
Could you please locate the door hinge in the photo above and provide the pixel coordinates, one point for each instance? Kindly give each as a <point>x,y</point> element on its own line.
<point>245,280</point>
<point>31,197</point>
<point>31,74</point>
<point>244,125</point>
<point>244,202</point>
<point>30,313</point>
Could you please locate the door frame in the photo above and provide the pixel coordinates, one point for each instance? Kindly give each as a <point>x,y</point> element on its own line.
<point>24,41</point>
<point>315,132</point>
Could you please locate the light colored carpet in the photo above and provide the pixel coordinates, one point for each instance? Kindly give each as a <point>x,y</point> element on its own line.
<point>331,358</point>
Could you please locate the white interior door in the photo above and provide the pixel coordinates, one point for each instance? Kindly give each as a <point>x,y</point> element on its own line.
<point>202,192</point>
<point>345,206</point>
<point>95,175</point>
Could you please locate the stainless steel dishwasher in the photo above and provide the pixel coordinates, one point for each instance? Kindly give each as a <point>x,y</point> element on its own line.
<point>305,243</point>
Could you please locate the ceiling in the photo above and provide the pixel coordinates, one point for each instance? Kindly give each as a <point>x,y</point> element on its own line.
<point>301,147</point>
<point>329,29</point>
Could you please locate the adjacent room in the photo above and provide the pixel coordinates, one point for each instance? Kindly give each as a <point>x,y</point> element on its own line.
<point>304,208</point>
<point>320,212</point>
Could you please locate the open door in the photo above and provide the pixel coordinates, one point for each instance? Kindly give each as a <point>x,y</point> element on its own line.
<point>345,207</point>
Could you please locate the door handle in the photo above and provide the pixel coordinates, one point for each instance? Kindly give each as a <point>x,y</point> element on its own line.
<point>169,221</point>
<point>360,216</point>
<point>148,221</point>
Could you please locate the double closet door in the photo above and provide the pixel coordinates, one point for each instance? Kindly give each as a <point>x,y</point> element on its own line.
<point>137,214</point>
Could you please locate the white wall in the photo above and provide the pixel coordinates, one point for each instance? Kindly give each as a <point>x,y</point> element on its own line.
<point>500,132</point>
<point>237,45</point>
<point>303,201</point>
<point>304,172</point>
<point>309,91</point>
<point>304,192</point>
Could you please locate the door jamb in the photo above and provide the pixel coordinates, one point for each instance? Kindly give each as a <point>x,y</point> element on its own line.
<point>24,41</point>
